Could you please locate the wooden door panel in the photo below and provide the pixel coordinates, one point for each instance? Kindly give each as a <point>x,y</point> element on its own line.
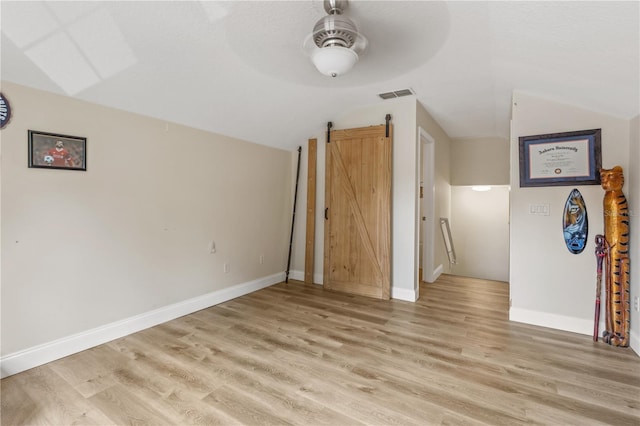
<point>358,225</point>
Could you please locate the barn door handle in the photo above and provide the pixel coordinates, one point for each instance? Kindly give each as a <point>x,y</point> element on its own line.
<point>326,213</point>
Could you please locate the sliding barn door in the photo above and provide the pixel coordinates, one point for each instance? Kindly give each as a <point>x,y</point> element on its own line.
<point>357,232</point>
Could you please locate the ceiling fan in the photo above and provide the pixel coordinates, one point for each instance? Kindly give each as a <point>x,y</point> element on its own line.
<point>335,45</point>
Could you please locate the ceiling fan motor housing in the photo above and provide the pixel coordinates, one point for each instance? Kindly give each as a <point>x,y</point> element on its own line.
<point>335,30</point>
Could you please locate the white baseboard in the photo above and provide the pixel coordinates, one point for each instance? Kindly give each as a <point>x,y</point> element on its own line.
<point>436,273</point>
<point>32,357</point>
<point>296,275</point>
<point>406,294</point>
<point>561,322</point>
<point>545,319</point>
<point>635,342</point>
<point>318,278</point>
<point>396,293</point>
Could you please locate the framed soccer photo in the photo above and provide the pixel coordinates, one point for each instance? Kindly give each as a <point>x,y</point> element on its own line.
<point>54,151</point>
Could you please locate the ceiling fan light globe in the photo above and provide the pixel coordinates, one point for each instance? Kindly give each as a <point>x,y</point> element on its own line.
<point>334,61</point>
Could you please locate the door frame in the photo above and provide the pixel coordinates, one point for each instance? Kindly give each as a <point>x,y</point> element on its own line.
<point>426,148</point>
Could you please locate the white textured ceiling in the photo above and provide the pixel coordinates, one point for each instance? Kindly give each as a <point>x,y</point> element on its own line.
<point>238,68</point>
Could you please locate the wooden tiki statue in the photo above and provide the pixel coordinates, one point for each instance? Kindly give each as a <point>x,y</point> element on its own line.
<point>616,232</point>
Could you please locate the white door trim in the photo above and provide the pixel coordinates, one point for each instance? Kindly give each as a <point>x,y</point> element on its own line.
<point>426,144</point>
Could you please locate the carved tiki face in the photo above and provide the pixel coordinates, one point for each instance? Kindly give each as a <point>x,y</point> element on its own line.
<point>612,179</point>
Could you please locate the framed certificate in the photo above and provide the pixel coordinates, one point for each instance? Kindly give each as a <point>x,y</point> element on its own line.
<point>572,158</point>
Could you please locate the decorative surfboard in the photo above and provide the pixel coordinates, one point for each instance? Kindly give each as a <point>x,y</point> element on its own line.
<point>575,224</point>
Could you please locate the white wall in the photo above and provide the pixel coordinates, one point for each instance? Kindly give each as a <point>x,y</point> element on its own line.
<point>549,285</point>
<point>481,161</point>
<point>480,231</point>
<point>633,198</point>
<point>81,250</point>
<point>404,191</point>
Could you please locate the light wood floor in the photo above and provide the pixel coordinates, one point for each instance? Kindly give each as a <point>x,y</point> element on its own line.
<point>295,354</point>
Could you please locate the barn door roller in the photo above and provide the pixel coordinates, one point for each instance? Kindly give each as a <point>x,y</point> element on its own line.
<point>387,119</point>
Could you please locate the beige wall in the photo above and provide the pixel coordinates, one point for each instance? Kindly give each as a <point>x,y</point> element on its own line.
<point>480,230</point>
<point>481,161</point>
<point>633,197</point>
<point>132,233</point>
<point>480,219</point>
<point>549,285</point>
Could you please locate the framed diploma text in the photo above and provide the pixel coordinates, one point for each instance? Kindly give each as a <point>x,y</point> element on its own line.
<point>572,158</point>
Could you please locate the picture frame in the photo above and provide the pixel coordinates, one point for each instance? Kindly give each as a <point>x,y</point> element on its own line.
<point>561,159</point>
<point>56,151</point>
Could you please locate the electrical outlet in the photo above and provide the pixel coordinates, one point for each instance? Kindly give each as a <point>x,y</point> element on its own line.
<point>227,268</point>
<point>261,260</point>
<point>636,303</point>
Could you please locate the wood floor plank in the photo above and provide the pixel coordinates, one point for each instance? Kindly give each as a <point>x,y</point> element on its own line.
<point>241,407</point>
<point>292,406</point>
<point>56,402</point>
<point>192,411</point>
<point>153,362</point>
<point>125,408</point>
<point>17,407</point>
<point>92,363</point>
<point>295,354</point>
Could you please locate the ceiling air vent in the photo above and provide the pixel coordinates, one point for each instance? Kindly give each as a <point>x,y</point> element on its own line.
<point>396,94</point>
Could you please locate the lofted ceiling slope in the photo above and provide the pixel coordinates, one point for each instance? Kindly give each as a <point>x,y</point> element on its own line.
<point>238,68</point>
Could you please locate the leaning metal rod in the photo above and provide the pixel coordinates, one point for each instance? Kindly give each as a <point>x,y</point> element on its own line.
<point>293,220</point>
<point>601,253</point>
<point>607,334</point>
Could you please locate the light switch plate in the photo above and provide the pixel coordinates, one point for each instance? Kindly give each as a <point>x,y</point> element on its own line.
<point>539,209</point>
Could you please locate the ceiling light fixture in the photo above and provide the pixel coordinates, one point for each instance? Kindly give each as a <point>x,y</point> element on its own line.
<point>335,44</point>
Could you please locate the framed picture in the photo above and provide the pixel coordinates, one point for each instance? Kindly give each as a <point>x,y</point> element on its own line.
<point>572,158</point>
<point>53,151</point>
